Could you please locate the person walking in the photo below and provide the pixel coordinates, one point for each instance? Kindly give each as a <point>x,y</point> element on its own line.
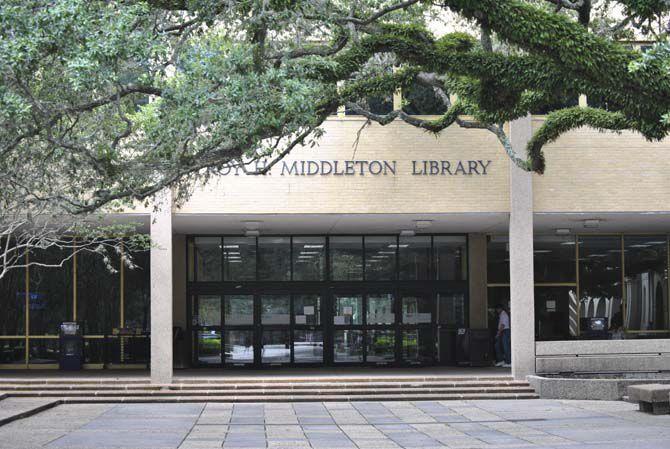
<point>503,345</point>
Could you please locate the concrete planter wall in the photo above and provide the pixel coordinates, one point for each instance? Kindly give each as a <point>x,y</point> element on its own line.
<point>602,388</point>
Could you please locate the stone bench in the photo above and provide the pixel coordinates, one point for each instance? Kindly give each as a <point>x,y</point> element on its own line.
<point>652,398</point>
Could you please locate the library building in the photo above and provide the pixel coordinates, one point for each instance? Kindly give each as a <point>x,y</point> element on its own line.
<point>389,248</point>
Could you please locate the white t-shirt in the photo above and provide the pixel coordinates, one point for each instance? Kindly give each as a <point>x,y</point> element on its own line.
<point>503,319</point>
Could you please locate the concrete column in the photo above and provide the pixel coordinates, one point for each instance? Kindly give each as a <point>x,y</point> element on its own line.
<point>161,289</point>
<point>477,281</point>
<point>522,296</point>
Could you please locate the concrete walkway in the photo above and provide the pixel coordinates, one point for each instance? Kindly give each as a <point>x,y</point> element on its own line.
<point>362,425</point>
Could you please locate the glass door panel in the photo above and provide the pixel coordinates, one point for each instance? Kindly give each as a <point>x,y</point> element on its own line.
<point>307,346</point>
<point>348,346</point>
<point>418,345</point>
<point>275,309</point>
<point>417,310</point>
<point>239,347</point>
<point>209,347</point>
<point>451,309</point>
<point>380,309</point>
<point>307,310</point>
<point>381,346</point>
<point>276,346</point>
<point>348,310</point>
<point>239,310</point>
<point>209,311</point>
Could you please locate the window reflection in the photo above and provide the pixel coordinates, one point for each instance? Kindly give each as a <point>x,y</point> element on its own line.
<point>348,345</point>
<point>418,345</point>
<point>381,346</point>
<point>274,258</point>
<point>646,283</point>
<point>380,258</point>
<point>209,311</point>
<point>239,258</point>
<point>307,310</point>
<point>307,346</point>
<point>450,258</point>
<point>276,346</point>
<point>346,258</point>
<point>380,309</point>
<point>414,258</point>
<point>348,310</point>
<point>556,310</point>
<point>239,347</point>
<point>208,259</point>
<point>554,259</point>
<point>497,260</point>
<point>239,310</point>
<point>451,309</point>
<point>51,290</point>
<point>416,310</point>
<point>275,309</point>
<point>209,347</point>
<point>309,254</point>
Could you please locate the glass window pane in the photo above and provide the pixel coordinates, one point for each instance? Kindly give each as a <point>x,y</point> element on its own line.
<point>496,295</point>
<point>414,256</point>
<point>422,100</point>
<point>276,346</point>
<point>275,309</point>
<point>555,313</point>
<point>208,259</point>
<point>646,283</point>
<point>418,345</point>
<point>51,292</point>
<point>209,311</point>
<point>307,310</point>
<point>554,259</point>
<point>497,260</point>
<point>274,258</point>
<point>43,351</point>
<point>13,302</point>
<point>380,309</point>
<point>381,346</point>
<point>13,352</point>
<point>94,350</point>
<point>348,345</point>
<point>98,293</point>
<point>239,347</point>
<point>451,309</point>
<point>307,346</point>
<point>348,310</point>
<point>600,286</point>
<point>209,347</point>
<point>346,258</point>
<point>450,257</point>
<point>417,310</point>
<point>309,258</point>
<point>239,310</point>
<point>380,255</point>
<point>137,299</point>
<point>239,258</point>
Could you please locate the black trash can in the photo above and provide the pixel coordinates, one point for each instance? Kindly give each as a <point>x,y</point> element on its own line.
<point>71,341</point>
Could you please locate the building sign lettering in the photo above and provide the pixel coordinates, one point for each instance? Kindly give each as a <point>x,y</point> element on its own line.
<point>473,167</point>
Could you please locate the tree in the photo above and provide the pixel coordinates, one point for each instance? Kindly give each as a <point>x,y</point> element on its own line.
<point>103,103</point>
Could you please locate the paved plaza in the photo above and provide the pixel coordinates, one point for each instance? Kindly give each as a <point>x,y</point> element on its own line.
<point>364,425</point>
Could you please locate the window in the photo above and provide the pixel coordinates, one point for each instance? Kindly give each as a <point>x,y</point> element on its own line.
<point>555,313</point>
<point>554,259</point>
<point>380,309</point>
<point>497,260</point>
<point>209,347</point>
<point>275,309</point>
<point>346,258</point>
<point>450,258</point>
<point>380,258</point>
<point>416,310</point>
<point>239,258</point>
<point>274,258</point>
<point>600,285</point>
<point>414,258</point>
<point>307,310</point>
<point>137,299</point>
<point>238,310</point>
<point>209,311</point>
<point>98,293</point>
<point>646,283</point>
<point>208,259</point>
<point>51,291</point>
<point>348,345</point>
<point>381,346</point>
<point>418,345</point>
<point>13,305</point>
<point>239,347</point>
<point>307,346</point>
<point>276,346</point>
<point>348,310</point>
<point>309,256</point>
<point>420,99</point>
<point>451,309</point>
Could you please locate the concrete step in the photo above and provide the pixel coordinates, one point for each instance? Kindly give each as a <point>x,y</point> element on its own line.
<point>12,408</point>
<point>303,398</point>
<point>230,385</point>
<point>273,392</point>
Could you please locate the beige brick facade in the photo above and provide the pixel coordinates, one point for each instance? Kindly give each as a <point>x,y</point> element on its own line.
<point>587,171</point>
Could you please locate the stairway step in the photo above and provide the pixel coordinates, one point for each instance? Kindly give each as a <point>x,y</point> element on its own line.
<point>228,386</point>
<point>12,408</point>
<point>290,398</point>
<point>270,392</point>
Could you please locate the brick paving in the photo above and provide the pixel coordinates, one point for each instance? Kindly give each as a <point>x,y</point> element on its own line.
<point>331,425</point>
